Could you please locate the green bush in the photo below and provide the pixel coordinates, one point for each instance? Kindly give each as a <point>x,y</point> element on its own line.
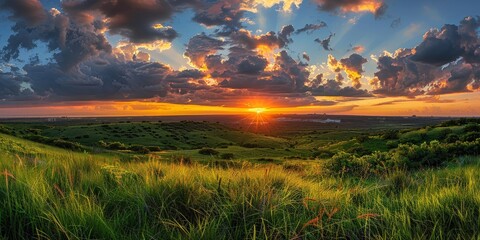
<point>390,134</point>
<point>472,127</point>
<point>139,149</point>
<point>208,151</point>
<point>452,138</point>
<point>471,136</point>
<point>5,130</point>
<point>116,146</point>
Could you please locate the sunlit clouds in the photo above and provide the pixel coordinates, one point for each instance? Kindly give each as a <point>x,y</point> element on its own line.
<point>352,56</point>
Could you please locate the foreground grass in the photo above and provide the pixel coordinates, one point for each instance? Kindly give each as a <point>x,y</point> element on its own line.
<point>54,194</point>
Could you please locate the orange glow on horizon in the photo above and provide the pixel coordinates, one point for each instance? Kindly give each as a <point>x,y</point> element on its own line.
<point>257,110</point>
<point>464,104</point>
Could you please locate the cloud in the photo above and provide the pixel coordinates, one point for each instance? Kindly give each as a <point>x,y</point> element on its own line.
<point>325,43</point>
<point>357,49</point>
<point>306,56</point>
<point>286,4</point>
<point>396,23</point>
<point>330,87</point>
<point>352,66</point>
<point>446,61</point>
<point>451,42</point>
<point>271,39</point>
<point>376,7</point>
<point>30,11</point>
<point>201,46</point>
<point>135,20</point>
<point>310,28</point>
<point>70,42</point>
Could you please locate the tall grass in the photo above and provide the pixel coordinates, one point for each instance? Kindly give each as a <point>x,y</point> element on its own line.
<point>54,194</point>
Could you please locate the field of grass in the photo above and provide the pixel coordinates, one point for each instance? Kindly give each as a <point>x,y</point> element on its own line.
<point>168,135</point>
<point>52,193</point>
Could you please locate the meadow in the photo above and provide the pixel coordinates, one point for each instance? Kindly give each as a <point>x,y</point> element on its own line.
<point>408,183</point>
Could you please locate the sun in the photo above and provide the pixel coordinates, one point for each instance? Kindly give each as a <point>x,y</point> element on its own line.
<point>257,110</point>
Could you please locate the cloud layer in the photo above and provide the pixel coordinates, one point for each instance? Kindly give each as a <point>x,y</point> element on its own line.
<point>228,66</point>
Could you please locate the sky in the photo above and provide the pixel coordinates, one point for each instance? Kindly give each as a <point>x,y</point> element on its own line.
<point>182,57</point>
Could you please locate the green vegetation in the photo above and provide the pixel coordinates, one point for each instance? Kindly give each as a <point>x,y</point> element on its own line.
<point>420,184</point>
<point>165,135</point>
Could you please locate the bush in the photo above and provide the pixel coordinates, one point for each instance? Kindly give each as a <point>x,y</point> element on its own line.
<point>362,138</point>
<point>116,146</point>
<point>154,149</point>
<point>472,127</point>
<point>139,149</point>
<point>55,142</point>
<point>208,151</point>
<point>390,134</point>
<point>342,163</point>
<point>444,133</point>
<point>5,130</point>
<point>392,144</point>
<point>471,136</point>
<point>323,154</point>
<point>227,156</point>
<point>452,138</point>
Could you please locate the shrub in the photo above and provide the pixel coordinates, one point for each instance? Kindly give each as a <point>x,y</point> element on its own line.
<point>139,149</point>
<point>323,154</point>
<point>390,134</point>
<point>5,130</point>
<point>452,138</point>
<point>342,164</point>
<point>392,144</point>
<point>362,138</point>
<point>154,148</point>
<point>471,136</point>
<point>444,133</point>
<point>472,127</point>
<point>116,146</point>
<point>208,151</point>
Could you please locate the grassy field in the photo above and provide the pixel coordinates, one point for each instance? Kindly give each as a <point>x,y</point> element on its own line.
<point>52,193</point>
<point>218,183</point>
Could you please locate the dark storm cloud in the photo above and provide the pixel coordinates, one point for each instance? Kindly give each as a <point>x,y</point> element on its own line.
<point>9,85</point>
<point>451,42</point>
<point>227,14</point>
<point>30,11</point>
<point>91,81</point>
<point>129,18</point>
<point>289,76</point>
<point>74,43</point>
<point>310,28</point>
<point>252,65</point>
<point>325,43</point>
<point>446,61</point>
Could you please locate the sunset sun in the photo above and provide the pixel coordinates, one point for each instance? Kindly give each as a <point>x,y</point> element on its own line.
<point>257,110</point>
